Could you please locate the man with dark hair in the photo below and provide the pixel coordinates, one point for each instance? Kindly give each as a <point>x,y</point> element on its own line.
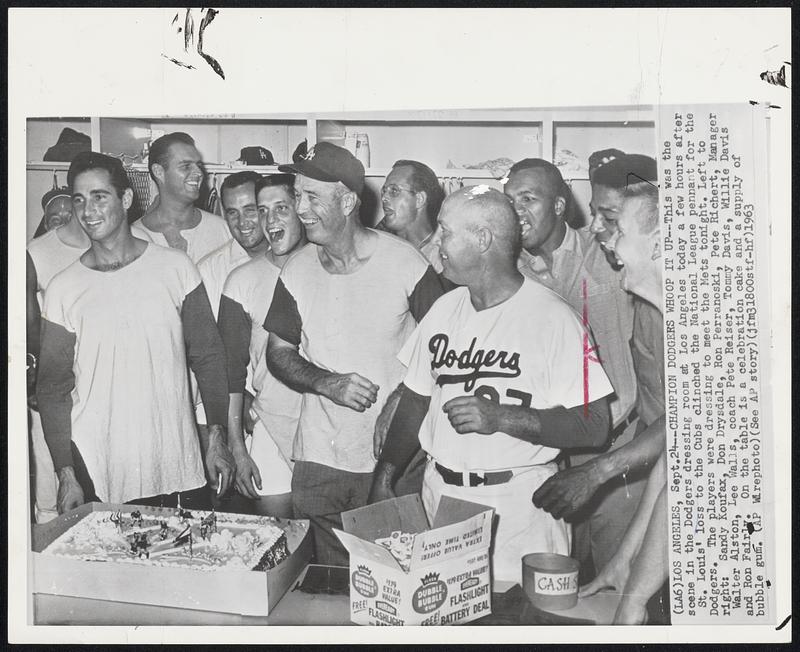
<point>638,568</point>
<point>118,327</point>
<point>570,262</point>
<point>238,197</point>
<point>268,407</point>
<point>607,191</point>
<point>495,386</point>
<point>411,197</point>
<point>174,220</point>
<point>58,245</point>
<point>350,298</point>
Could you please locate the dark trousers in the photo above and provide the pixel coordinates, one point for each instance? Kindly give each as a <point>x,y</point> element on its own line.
<point>321,493</point>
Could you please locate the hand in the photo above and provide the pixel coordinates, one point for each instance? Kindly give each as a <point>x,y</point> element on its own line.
<point>70,494</point>
<point>631,611</point>
<point>567,491</point>
<point>247,474</point>
<point>614,575</point>
<point>220,465</point>
<point>381,488</point>
<point>473,414</point>
<point>380,491</point>
<point>350,390</point>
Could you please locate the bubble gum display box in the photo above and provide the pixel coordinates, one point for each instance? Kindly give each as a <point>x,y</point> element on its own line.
<point>209,561</point>
<point>418,573</point>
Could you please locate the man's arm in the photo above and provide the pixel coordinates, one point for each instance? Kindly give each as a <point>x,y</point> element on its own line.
<point>559,427</point>
<point>55,383</point>
<point>287,365</point>
<point>649,570</point>
<point>402,441</point>
<point>32,327</point>
<point>567,491</point>
<point>206,356</point>
<point>235,330</point>
<point>617,570</point>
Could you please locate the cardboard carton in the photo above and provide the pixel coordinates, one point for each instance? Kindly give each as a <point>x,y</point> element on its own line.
<point>448,578</point>
<point>251,593</point>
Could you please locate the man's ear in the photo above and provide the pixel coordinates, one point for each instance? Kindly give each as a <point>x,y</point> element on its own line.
<point>484,237</point>
<point>158,172</point>
<point>421,198</point>
<point>656,253</point>
<point>127,198</point>
<point>560,205</point>
<point>348,200</point>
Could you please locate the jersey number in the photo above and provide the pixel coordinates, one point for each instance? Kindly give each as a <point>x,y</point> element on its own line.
<point>491,394</point>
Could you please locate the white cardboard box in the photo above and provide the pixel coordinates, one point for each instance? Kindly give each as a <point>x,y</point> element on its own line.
<point>251,593</point>
<point>448,581</point>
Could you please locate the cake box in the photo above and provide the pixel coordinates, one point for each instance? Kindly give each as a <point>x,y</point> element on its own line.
<point>448,579</point>
<point>237,591</point>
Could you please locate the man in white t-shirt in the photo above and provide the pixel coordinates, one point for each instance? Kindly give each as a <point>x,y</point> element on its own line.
<point>173,220</point>
<point>119,326</point>
<point>238,196</point>
<point>264,468</point>
<point>348,300</point>
<point>494,405</point>
<point>59,246</point>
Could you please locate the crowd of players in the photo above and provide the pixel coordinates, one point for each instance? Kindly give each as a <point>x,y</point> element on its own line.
<point>287,360</point>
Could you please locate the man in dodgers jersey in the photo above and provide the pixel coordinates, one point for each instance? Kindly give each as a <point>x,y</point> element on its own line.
<point>496,384</point>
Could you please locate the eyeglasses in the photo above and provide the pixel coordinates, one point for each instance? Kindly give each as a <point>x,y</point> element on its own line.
<point>393,191</point>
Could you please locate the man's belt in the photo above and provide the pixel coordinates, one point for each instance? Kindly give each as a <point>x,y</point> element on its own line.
<point>471,479</point>
<point>617,432</point>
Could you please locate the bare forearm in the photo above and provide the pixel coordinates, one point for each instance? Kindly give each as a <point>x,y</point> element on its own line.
<point>634,535</point>
<point>288,366</point>
<point>235,411</point>
<point>639,453</point>
<point>649,570</point>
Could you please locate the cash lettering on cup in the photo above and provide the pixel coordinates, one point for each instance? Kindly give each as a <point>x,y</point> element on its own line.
<point>556,583</point>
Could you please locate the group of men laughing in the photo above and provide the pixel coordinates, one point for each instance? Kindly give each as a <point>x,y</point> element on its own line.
<point>473,345</point>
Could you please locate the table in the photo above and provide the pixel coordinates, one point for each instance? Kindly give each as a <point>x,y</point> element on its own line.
<point>509,606</point>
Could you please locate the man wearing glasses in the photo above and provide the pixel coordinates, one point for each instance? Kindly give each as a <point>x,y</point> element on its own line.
<point>411,197</point>
<point>350,298</point>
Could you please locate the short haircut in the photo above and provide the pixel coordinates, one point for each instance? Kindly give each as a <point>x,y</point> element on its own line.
<point>95,160</point>
<point>649,220</point>
<point>159,150</point>
<point>239,179</point>
<point>270,180</point>
<point>423,179</point>
<point>552,175</point>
